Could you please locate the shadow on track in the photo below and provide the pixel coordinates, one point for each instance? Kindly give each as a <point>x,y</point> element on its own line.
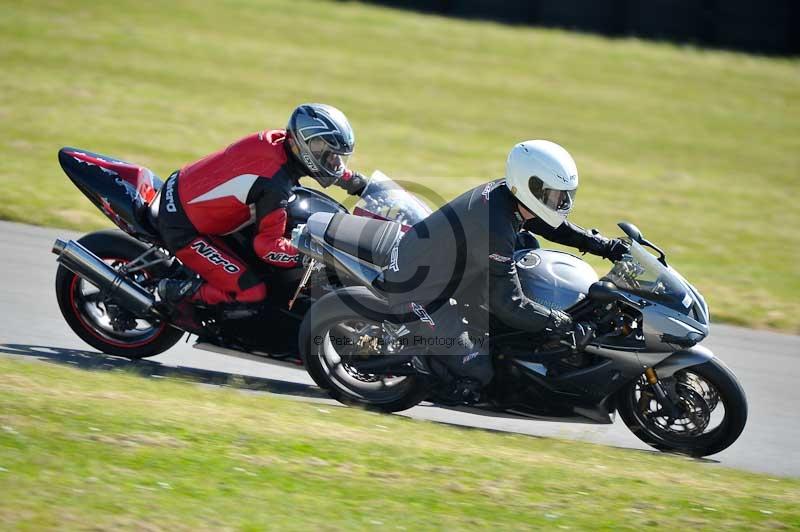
<point>95,361</point>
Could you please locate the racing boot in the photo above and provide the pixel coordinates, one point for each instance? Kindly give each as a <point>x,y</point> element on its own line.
<point>458,392</point>
<point>176,296</point>
<point>462,380</point>
<point>173,291</point>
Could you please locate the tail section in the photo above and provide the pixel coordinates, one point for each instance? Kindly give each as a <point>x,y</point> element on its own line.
<point>120,189</point>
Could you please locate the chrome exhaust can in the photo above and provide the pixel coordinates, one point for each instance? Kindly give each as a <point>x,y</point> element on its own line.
<point>88,266</point>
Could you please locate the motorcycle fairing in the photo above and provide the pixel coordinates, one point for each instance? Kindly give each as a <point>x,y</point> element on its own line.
<point>580,394</point>
<point>121,190</point>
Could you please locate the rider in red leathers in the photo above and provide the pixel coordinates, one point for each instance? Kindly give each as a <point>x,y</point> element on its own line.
<point>249,182</point>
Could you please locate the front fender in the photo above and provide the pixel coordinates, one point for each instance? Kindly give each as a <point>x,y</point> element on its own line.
<point>683,359</point>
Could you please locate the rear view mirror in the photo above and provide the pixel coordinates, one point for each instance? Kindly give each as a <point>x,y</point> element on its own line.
<point>632,231</point>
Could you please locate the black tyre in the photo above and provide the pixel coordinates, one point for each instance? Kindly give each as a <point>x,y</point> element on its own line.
<point>331,331</point>
<point>713,405</point>
<point>89,318</point>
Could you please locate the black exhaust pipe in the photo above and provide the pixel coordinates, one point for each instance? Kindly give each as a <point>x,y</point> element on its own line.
<point>85,264</point>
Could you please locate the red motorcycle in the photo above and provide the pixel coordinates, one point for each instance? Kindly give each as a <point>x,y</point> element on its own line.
<point>106,280</point>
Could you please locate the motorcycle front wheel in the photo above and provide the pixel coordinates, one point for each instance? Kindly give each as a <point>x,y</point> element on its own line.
<point>712,410</point>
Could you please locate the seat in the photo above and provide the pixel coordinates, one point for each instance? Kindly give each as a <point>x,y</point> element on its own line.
<point>368,239</point>
<point>149,211</point>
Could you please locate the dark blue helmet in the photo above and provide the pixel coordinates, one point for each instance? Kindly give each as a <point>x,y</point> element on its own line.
<point>322,141</point>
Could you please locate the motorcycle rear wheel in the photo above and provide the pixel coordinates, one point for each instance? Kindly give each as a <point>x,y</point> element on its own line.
<point>90,320</point>
<point>325,336</point>
<point>702,389</point>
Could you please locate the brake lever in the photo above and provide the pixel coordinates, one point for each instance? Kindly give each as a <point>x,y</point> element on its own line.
<point>572,345</point>
<point>586,338</point>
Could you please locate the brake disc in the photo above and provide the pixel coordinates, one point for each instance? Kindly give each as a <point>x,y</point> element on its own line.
<point>699,385</point>
<point>695,418</point>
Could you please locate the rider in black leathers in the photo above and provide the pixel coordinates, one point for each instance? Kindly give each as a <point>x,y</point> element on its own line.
<point>464,252</point>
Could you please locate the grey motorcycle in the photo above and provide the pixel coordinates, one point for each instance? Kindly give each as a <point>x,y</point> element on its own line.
<point>642,360</point>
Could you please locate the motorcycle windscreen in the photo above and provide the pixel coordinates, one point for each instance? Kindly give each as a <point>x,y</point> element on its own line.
<point>385,199</point>
<point>641,273</point>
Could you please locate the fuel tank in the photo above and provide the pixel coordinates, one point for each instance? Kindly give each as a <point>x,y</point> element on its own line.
<point>307,201</point>
<point>553,278</point>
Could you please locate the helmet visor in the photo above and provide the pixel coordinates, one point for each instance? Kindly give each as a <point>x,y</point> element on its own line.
<point>331,161</point>
<point>557,200</point>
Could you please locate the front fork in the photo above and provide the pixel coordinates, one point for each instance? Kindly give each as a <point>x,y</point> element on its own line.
<point>663,399</point>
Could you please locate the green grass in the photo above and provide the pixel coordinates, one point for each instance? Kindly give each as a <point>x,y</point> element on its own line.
<point>109,450</point>
<point>699,148</point>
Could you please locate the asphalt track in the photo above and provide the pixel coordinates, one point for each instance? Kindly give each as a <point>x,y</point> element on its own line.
<point>31,328</point>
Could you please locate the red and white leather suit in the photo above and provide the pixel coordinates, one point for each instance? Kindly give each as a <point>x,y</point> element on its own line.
<point>249,182</point>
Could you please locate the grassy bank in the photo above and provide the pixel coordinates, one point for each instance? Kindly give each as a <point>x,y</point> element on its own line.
<point>109,450</point>
<point>700,148</point>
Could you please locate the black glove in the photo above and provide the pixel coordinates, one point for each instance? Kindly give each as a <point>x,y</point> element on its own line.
<point>615,249</point>
<point>354,185</point>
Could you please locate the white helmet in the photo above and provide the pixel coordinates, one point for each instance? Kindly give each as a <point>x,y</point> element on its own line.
<point>543,177</point>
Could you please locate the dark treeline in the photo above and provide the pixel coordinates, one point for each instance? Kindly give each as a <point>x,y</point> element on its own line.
<point>760,26</point>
